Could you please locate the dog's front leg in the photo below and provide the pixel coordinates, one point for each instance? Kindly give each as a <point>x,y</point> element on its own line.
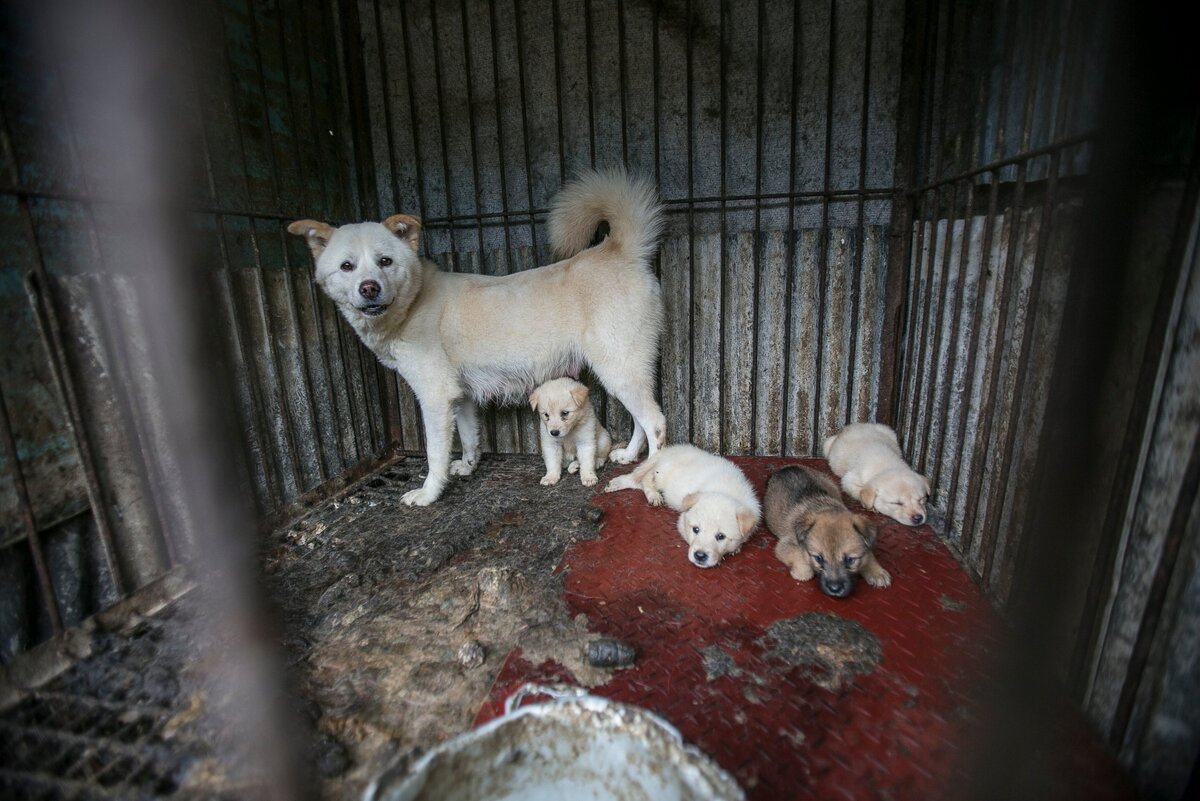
<point>465,413</point>
<point>585,452</point>
<point>552,454</point>
<point>438,413</point>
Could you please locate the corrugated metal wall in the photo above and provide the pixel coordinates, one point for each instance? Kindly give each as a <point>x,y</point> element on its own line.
<point>770,130</point>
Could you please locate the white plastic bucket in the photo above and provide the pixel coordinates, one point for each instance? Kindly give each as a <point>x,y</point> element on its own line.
<point>575,747</point>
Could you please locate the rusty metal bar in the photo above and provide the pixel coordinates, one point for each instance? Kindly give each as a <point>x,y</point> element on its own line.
<point>45,587</point>
<point>758,156</point>
<point>723,33</point>
<point>860,257</point>
<point>524,116</point>
<point>466,38</point>
<point>50,330</point>
<point>789,268</point>
<point>823,239</point>
<point>441,106</point>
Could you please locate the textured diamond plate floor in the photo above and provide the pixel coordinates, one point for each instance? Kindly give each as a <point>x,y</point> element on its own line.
<point>901,731</point>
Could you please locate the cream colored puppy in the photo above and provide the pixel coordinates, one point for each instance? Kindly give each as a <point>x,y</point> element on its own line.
<point>717,505</point>
<point>569,430</point>
<point>867,457</point>
<point>460,339</point>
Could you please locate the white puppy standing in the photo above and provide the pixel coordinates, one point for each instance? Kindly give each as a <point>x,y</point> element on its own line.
<point>569,429</point>
<point>717,505</point>
<point>867,456</point>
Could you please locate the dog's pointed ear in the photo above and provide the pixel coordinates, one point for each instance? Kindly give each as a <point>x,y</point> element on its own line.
<point>533,400</point>
<point>407,227</point>
<point>866,529</point>
<point>316,234</point>
<point>689,501</point>
<point>747,520</point>
<point>579,394</point>
<point>867,496</point>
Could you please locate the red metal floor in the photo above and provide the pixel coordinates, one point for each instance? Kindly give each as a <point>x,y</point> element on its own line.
<point>901,731</point>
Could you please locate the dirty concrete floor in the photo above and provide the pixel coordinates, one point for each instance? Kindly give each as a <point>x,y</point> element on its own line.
<point>396,620</point>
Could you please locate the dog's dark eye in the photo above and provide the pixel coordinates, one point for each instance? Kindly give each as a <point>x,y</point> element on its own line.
<point>564,415</point>
<point>695,529</point>
<point>385,262</point>
<point>346,266</point>
<point>720,536</point>
<point>849,561</point>
<point>820,560</point>
<point>546,415</point>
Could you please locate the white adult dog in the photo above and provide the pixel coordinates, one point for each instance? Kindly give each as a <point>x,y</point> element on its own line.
<point>459,340</point>
<point>867,457</point>
<point>717,505</point>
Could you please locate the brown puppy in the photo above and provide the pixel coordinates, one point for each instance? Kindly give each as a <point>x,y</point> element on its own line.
<point>818,535</point>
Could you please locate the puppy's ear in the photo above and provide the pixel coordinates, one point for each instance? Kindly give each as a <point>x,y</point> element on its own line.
<point>579,394</point>
<point>867,496</point>
<point>866,529</point>
<point>407,227</point>
<point>316,234</point>
<point>533,400</point>
<point>746,521</point>
<point>689,501</point>
<point>803,526</point>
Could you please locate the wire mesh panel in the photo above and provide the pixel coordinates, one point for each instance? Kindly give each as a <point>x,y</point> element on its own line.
<point>769,129</point>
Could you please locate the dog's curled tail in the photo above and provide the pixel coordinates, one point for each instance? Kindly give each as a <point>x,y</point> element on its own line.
<point>827,445</point>
<point>630,206</point>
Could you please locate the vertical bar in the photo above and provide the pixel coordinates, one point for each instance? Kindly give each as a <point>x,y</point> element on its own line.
<point>691,221</point>
<point>950,497</point>
<point>289,434</point>
<point>441,97</point>
<point>45,588</point>
<point>590,64</point>
<point>722,13</point>
<point>624,84</point>
<point>500,133</point>
<point>982,446</point>
<point>315,299</point>
<point>823,238</point>
<point>855,279</point>
<point>524,123</point>
<point>471,124</point>
<point>789,268</point>
<point>556,25</point>
<point>758,155</point>
<point>418,159</point>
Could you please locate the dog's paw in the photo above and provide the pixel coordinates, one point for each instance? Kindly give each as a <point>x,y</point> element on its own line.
<point>615,485</point>
<point>549,480</point>
<point>573,468</point>
<point>654,498</point>
<point>420,497</point>
<point>587,479</point>
<point>800,574</point>
<point>879,578</point>
<point>623,456</point>
<point>462,467</point>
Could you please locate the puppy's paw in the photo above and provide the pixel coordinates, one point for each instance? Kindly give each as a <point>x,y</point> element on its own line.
<point>879,578</point>
<point>654,498</point>
<point>573,468</point>
<point>549,480</point>
<point>420,497</point>
<point>462,467</point>
<point>616,485</point>
<point>587,479</point>
<point>801,574</point>
<point>623,456</point>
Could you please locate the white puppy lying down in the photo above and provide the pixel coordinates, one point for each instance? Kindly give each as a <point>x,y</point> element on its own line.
<point>873,471</point>
<point>718,506</point>
<point>569,428</point>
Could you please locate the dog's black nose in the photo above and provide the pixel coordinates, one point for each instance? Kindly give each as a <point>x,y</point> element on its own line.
<point>700,556</point>
<point>835,587</point>
<point>369,289</point>
<point>554,432</point>
<point>918,519</point>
